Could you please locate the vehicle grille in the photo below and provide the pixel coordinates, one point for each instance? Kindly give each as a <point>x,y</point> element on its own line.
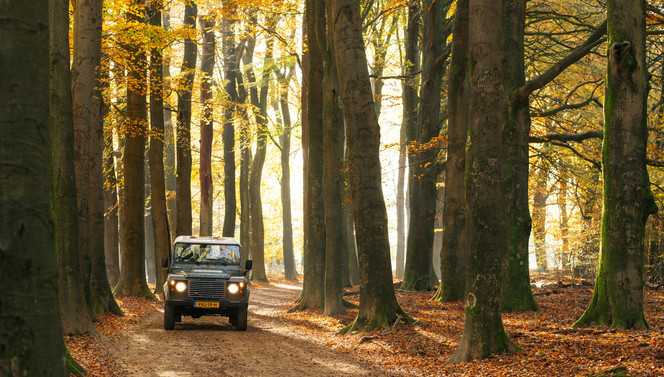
<point>207,288</point>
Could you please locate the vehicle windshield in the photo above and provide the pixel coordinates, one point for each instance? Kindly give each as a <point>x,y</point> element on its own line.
<point>207,253</point>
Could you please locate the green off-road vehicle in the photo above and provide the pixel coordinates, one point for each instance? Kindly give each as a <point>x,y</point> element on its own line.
<point>205,277</point>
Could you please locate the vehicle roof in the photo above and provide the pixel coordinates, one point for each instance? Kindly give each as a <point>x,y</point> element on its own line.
<point>208,240</point>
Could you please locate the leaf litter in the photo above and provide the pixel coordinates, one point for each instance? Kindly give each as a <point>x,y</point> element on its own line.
<point>552,347</point>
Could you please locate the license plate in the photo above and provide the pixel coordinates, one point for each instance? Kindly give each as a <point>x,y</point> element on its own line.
<point>206,304</point>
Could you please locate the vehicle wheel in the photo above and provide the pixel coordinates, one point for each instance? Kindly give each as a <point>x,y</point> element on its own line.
<point>241,321</point>
<point>169,317</point>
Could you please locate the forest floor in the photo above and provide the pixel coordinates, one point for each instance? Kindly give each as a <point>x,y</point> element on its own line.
<point>306,343</point>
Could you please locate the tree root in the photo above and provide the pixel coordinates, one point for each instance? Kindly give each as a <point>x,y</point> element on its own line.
<point>386,332</point>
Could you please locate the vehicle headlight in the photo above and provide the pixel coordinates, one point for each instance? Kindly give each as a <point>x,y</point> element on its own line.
<point>180,286</point>
<point>233,288</point>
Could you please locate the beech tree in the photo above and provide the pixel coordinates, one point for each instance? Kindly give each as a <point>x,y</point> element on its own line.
<point>454,248</point>
<point>75,317</point>
<point>378,303</point>
<point>628,201</point>
<point>423,159</point>
<point>483,332</point>
<point>312,147</point>
<point>31,342</point>
<point>132,240</point>
<point>183,153</point>
<point>206,24</point>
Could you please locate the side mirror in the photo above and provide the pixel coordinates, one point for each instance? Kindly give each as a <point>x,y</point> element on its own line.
<point>164,262</point>
<point>248,265</point>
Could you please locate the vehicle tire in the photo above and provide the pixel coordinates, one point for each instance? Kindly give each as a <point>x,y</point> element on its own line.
<point>169,317</point>
<point>241,322</point>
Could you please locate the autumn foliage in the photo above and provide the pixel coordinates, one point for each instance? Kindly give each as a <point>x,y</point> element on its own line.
<point>551,347</point>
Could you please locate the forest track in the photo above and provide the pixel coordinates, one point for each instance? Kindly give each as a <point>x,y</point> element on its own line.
<point>210,346</point>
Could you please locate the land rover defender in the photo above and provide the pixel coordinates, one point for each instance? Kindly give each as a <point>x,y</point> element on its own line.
<point>205,277</point>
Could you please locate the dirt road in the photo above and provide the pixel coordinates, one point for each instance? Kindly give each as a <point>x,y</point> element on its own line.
<point>210,346</point>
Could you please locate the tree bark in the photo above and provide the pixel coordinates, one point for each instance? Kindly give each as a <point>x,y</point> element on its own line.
<point>517,294</point>
<point>378,303</point>
<point>169,144</point>
<point>410,100</point>
<point>618,296</point>
<point>284,78</point>
<point>313,282</point>
<point>111,240</point>
<point>259,101</point>
<point>88,24</point>
<point>162,239</point>
<point>74,316</point>
<point>183,154</point>
<point>231,56</point>
<point>539,217</point>
<point>30,330</point>
<point>333,179</point>
<point>206,24</point>
<point>455,247</point>
<point>132,241</point>
<point>483,332</point>
<point>424,164</point>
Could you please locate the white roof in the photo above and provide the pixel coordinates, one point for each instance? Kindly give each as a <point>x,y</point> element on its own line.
<point>208,240</point>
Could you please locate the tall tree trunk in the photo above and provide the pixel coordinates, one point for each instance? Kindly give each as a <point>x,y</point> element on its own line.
<point>313,283</point>
<point>75,317</point>
<point>539,217</point>
<point>84,62</point>
<point>455,247</point>
<point>410,100</point>
<point>483,332</point>
<point>564,224</point>
<point>378,304</point>
<point>157,175</point>
<point>333,179</point>
<point>231,56</point>
<point>30,329</point>
<point>89,18</point>
<point>132,241</point>
<point>424,164</point>
<point>183,184</point>
<point>206,24</point>
<point>284,79</point>
<point>618,295</point>
<point>259,101</point>
<point>517,294</point>
<point>169,143</point>
<point>111,249</point>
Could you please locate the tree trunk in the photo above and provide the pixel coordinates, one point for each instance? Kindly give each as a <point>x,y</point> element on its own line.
<point>333,159</point>
<point>111,249</point>
<point>517,294</point>
<point>618,295</point>
<point>132,241</point>
<point>30,330</point>
<point>284,79</point>
<point>231,56</point>
<point>410,100</point>
<point>483,332</point>
<point>75,317</point>
<point>169,141</point>
<point>455,247</point>
<point>206,24</point>
<point>564,224</point>
<point>539,217</point>
<point>188,70</point>
<point>259,101</point>
<point>88,23</point>
<point>424,164</point>
<point>313,283</point>
<point>378,303</point>
<point>162,239</point>
<point>84,62</point>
